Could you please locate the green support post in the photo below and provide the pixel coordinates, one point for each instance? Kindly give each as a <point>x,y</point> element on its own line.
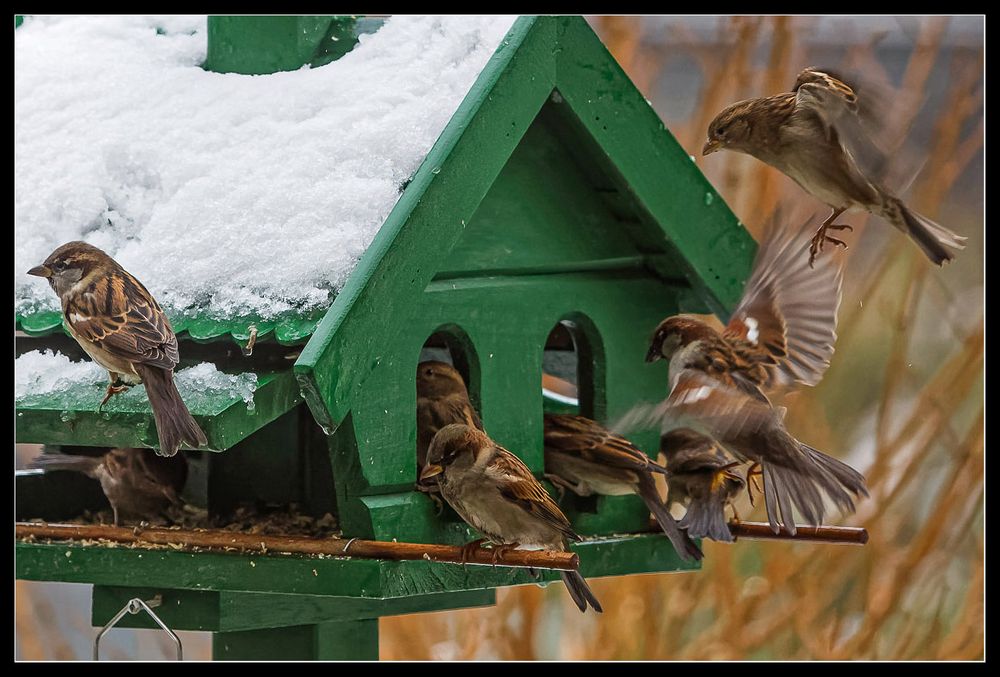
<point>333,640</point>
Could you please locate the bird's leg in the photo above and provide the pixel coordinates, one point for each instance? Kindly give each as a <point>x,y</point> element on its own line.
<point>752,472</point>
<point>816,244</point>
<point>560,484</point>
<point>500,550</point>
<point>116,386</point>
<point>432,492</point>
<point>736,515</point>
<point>470,548</point>
<point>114,511</point>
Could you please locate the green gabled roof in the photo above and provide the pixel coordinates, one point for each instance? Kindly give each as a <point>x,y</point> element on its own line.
<point>541,58</point>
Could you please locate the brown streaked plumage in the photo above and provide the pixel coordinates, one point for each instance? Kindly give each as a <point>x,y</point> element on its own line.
<point>119,324</point>
<point>495,492</point>
<point>587,458</point>
<point>442,399</point>
<point>138,483</point>
<point>701,476</point>
<point>813,134</point>
<point>795,474</point>
<point>782,331</point>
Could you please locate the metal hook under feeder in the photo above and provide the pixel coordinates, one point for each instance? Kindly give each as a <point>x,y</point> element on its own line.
<point>134,606</point>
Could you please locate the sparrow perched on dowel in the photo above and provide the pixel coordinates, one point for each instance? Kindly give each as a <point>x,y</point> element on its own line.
<point>138,484</point>
<point>782,333</point>
<point>702,477</point>
<point>120,325</point>
<point>585,457</point>
<point>815,136</point>
<point>495,493</point>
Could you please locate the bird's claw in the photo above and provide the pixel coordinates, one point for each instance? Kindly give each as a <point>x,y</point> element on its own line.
<point>821,238</point>
<point>470,548</point>
<point>113,389</point>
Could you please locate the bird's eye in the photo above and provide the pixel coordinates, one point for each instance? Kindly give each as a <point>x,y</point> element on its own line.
<point>59,265</point>
<point>721,131</point>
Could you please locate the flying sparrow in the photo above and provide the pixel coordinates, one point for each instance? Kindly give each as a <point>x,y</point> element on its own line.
<point>494,492</point>
<point>119,324</point>
<point>138,483</point>
<point>813,135</point>
<point>781,333</point>
<point>795,474</point>
<point>587,458</point>
<point>701,476</point>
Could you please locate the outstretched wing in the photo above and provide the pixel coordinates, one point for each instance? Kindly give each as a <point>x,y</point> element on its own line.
<point>837,106</point>
<point>788,313</point>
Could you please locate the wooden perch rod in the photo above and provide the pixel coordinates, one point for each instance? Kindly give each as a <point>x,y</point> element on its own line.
<point>822,534</point>
<point>218,539</point>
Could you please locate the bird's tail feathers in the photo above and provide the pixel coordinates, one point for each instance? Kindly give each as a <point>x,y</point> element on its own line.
<point>174,423</point>
<point>581,593</point>
<point>685,547</point>
<point>936,241</point>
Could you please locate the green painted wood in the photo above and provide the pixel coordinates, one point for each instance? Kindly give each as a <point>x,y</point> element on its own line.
<point>223,611</point>
<point>255,45</point>
<point>40,323</point>
<point>335,640</point>
<point>73,417</point>
<point>302,575</point>
<point>18,20</point>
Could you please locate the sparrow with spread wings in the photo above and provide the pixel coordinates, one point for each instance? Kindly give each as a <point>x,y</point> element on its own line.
<point>781,334</point>
<point>587,458</point>
<point>815,136</point>
<point>120,325</point>
<point>494,492</point>
<point>138,483</point>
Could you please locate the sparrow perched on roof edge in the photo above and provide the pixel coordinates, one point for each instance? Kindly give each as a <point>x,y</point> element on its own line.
<point>587,458</point>
<point>781,333</point>
<point>495,493</point>
<point>120,325</point>
<point>813,135</point>
<point>138,483</point>
<point>701,476</point>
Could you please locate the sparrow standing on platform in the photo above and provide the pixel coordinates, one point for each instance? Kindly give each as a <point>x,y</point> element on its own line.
<point>119,324</point>
<point>587,458</point>
<point>814,135</point>
<point>494,492</point>
<point>138,483</point>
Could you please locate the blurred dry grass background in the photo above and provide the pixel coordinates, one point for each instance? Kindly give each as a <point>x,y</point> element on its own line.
<point>903,400</point>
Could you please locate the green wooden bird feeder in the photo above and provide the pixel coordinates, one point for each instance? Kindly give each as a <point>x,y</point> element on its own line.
<point>554,195</point>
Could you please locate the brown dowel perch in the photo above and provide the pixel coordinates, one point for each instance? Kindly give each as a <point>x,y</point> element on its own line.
<point>821,534</point>
<point>355,547</point>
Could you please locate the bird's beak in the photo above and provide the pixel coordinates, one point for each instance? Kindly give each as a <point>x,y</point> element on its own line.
<point>41,271</point>
<point>710,147</point>
<point>653,354</point>
<point>430,471</point>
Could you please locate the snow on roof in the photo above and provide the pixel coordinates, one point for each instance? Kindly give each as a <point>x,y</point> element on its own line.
<point>229,194</point>
<point>39,373</point>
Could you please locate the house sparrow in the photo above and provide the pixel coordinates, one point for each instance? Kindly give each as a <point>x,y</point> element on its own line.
<point>587,458</point>
<point>138,483</point>
<point>781,333</point>
<point>794,473</point>
<point>494,492</point>
<point>701,476</point>
<point>813,135</point>
<point>119,324</point>
<point>442,399</point>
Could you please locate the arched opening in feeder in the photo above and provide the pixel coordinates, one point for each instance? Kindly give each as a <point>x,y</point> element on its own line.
<point>449,343</point>
<point>573,367</point>
<point>438,401</point>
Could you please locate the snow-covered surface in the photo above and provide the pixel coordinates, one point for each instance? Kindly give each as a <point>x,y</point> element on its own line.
<point>40,373</point>
<point>224,194</point>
